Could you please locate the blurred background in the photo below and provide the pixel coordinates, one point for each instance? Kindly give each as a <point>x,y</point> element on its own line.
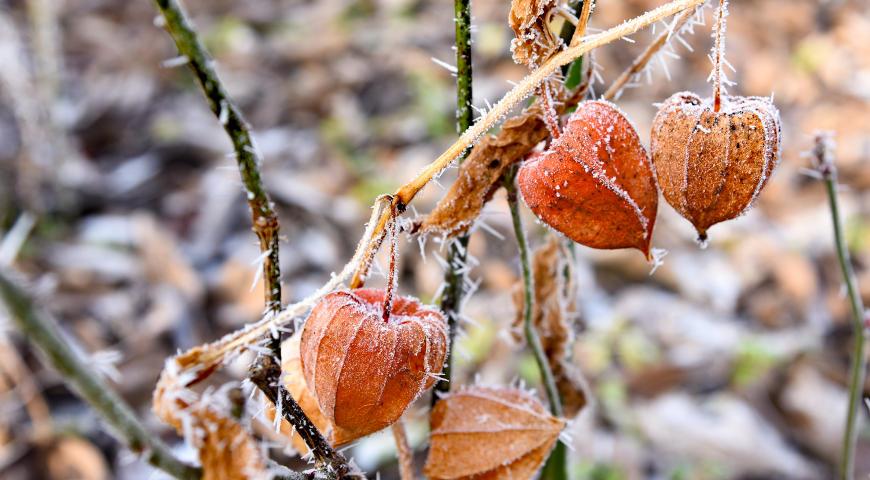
<point>726,363</point>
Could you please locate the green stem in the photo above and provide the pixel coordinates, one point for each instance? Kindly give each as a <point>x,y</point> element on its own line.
<point>43,331</point>
<point>556,466</point>
<point>455,275</point>
<point>858,365</point>
<point>265,221</point>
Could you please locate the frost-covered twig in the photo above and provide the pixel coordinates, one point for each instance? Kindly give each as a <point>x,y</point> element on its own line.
<point>824,163</point>
<point>719,53</point>
<point>265,221</point>
<point>247,155</point>
<point>43,331</point>
<point>641,61</point>
<point>556,465</point>
<point>266,374</point>
<point>454,275</point>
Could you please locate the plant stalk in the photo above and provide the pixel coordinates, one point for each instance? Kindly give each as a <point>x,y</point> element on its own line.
<point>456,274</point>
<point>43,331</point>
<point>825,165</point>
<point>265,221</point>
<point>556,466</point>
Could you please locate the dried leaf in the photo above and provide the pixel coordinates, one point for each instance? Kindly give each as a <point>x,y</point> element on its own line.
<point>534,41</point>
<point>595,183</point>
<point>227,450</point>
<point>712,165</point>
<point>554,311</point>
<point>365,370</point>
<point>480,174</point>
<point>484,432</point>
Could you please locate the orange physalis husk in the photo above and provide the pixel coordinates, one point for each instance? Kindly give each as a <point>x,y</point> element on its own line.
<point>595,184</point>
<point>712,165</point>
<point>485,432</point>
<point>365,370</point>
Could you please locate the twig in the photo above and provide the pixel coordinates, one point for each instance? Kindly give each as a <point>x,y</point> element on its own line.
<point>43,331</point>
<point>265,374</point>
<point>265,221</point>
<point>718,53</point>
<point>824,164</point>
<point>649,52</point>
<point>455,275</point>
<point>405,194</point>
<point>582,22</point>
<point>403,449</point>
<point>556,464</point>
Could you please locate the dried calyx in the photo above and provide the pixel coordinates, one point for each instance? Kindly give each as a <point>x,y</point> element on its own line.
<point>713,156</point>
<point>595,184</point>
<point>514,440</point>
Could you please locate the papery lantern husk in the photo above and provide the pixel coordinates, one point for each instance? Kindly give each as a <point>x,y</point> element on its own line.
<point>712,165</point>
<point>363,370</point>
<point>595,184</point>
<point>486,432</point>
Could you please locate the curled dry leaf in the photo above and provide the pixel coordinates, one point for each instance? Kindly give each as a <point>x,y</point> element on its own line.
<point>484,432</point>
<point>712,165</point>
<point>480,174</point>
<point>553,314</point>
<point>364,369</point>
<point>227,450</point>
<point>595,183</point>
<point>534,42</point>
<point>294,382</point>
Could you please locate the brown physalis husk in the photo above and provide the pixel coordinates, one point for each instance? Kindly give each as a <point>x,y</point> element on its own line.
<point>294,382</point>
<point>485,432</point>
<point>554,311</point>
<point>365,370</point>
<point>712,165</point>
<point>534,42</point>
<point>595,184</point>
<point>227,451</point>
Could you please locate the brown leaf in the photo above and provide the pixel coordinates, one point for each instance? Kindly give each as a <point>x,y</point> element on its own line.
<point>226,449</point>
<point>365,370</point>
<point>595,183</point>
<point>484,432</point>
<point>480,174</point>
<point>534,41</point>
<point>554,311</point>
<point>712,165</point>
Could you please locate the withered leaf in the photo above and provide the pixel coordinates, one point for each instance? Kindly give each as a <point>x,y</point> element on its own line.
<point>485,432</point>
<point>480,174</point>
<point>554,312</point>
<point>595,183</point>
<point>227,450</point>
<point>534,41</point>
<point>712,165</point>
<point>364,370</point>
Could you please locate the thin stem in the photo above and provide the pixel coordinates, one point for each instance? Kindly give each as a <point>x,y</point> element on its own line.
<point>718,52</point>
<point>649,52</point>
<point>825,165</point>
<point>391,277</point>
<point>403,449</point>
<point>455,274</point>
<point>265,221</point>
<point>556,466</point>
<point>265,374</point>
<point>43,331</point>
